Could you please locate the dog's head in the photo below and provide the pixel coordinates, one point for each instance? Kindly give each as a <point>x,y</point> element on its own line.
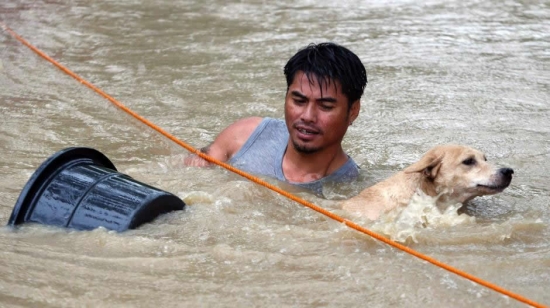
<point>459,173</point>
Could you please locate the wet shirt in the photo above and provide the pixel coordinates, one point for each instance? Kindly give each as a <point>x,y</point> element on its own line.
<point>262,154</point>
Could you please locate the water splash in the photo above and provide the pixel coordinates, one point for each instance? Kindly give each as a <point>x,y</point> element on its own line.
<point>404,224</point>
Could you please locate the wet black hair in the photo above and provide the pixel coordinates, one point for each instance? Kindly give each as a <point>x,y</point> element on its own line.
<point>329,62</point>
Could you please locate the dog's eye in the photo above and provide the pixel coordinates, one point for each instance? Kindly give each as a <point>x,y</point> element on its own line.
<point>469,162</point>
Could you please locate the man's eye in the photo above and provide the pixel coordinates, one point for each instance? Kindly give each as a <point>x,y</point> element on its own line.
<point>299,101</point>
<point>469,162</point>
<point>327,107</point>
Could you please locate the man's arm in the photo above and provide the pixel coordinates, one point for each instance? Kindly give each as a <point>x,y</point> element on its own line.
<point>228,142</point>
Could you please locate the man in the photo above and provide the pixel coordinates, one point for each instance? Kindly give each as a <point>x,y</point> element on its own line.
<point>325,83</point>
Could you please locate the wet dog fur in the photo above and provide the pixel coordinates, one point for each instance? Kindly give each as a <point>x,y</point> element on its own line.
<point>452,173</point>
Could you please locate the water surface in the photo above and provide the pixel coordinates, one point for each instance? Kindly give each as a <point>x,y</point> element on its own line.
<point>470,72</point>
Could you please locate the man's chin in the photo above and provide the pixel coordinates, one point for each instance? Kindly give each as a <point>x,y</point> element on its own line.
<point>304,148</point>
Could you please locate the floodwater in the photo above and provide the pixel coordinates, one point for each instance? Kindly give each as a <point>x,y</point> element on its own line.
<point>470,72</point>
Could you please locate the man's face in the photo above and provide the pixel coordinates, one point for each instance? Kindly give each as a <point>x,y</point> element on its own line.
<point>316,119</point>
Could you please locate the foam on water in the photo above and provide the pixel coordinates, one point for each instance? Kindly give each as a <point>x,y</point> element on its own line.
<point>404,224</point>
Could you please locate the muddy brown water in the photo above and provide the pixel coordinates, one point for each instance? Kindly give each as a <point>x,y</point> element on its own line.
<point>470,72</point>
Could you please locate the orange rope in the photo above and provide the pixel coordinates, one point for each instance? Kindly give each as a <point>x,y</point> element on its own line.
<point>272,187</point>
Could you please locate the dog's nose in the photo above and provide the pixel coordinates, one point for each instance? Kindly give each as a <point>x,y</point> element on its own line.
<point>507,172</point>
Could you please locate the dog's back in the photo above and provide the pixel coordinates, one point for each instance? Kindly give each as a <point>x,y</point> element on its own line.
<point>384,196</point>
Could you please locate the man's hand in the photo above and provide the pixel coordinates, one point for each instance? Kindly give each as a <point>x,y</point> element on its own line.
<point>195,160</point>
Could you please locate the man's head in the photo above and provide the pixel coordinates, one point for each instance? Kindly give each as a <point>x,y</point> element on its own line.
<point>325,84</point>
<point>326,63</point>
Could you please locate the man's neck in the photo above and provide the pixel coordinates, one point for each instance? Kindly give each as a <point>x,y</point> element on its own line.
<point>301,167</point>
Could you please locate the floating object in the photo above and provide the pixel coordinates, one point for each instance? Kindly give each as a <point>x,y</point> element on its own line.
<point>80,188</point>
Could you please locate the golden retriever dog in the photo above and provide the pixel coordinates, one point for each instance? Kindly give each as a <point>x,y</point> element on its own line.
<point>450,173</point>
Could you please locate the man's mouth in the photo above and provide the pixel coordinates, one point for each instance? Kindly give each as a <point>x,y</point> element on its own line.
<point>306,131</point>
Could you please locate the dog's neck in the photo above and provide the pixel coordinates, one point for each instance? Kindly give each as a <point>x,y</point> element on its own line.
<point>427,186</point>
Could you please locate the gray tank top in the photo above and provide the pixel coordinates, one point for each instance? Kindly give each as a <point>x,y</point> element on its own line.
<point>262,154</point>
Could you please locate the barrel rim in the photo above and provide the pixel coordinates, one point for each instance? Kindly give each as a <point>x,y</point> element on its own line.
<point>47,171</point>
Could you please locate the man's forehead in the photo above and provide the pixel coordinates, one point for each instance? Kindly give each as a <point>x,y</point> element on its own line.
<point>314,80</point>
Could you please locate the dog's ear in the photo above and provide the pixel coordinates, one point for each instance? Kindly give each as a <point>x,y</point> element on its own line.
<point>429,165</point>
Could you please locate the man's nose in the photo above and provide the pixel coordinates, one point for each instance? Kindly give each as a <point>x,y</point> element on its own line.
<point>309,113</point>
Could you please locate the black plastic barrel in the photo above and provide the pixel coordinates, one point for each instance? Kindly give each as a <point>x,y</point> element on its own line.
<point>80,188</point>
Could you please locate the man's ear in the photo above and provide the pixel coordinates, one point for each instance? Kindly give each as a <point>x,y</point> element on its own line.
<point>354,111</point>
<point>429,165</point>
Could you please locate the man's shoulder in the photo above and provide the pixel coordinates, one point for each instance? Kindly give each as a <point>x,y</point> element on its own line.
<point>253,126</point>
<point>269,120</point>
<point>241,129</point>
<point>249,123</point>
<point>275,124</point>
<point>272,128</point>
<point>263,149</point>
